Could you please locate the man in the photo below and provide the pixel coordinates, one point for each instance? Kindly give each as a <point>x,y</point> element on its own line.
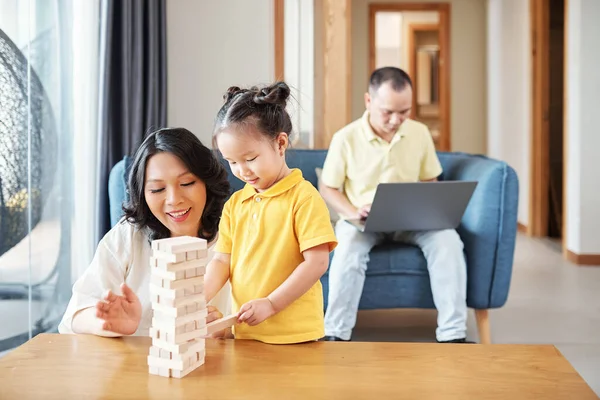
<point>384,146</point>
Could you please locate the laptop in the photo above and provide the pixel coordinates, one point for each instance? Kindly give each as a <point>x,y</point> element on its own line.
<point>417,206</point>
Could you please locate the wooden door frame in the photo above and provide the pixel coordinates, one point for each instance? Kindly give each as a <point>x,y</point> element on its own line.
<point>412,68</point>
<point>279,32</point>
<point>444,28</point>
<point>540,156</point>
<point>412,31</point>
<point>540,135</point>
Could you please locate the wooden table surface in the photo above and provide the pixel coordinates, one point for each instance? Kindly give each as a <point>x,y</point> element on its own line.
<point>52,366</point>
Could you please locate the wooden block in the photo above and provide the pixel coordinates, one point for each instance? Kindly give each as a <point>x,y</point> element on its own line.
<point>166,354</point>
<point>166,372</point>
<point>156,280</point>
<point>165,363</point>
<point>153,370</point>
<point>200,323</point>
<point>169,275</point>
<point>169,293</point>
<point>154,351</point>
<point>176,266</point>
<point>176,244</point>
<point>190,326</point>
<point>179,244</point>
<point>190,273</point>
<point>191,368</point>
<point>183,301</point>
<point>200,271</point>
<point>198,289</point>
<point>171,330</point>
<point>188,291</point>
<point>183,283</point>
<point>156,243</point>
<point>154,333</point>
<point>181,338</point>
<point>182,348</point>
<point>184,337</point>
<point>169,257</point>
<point>190,355</point>
<point>160,318</point>
<point>199,255</point>
<point>170,310</point>
<point>154,298</point>
<point>167,305</point>
<point>221,324</point>
<point>168,329</point>
<point>192,308</point>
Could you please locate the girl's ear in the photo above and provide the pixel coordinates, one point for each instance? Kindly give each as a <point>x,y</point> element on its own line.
<point>282,142</point>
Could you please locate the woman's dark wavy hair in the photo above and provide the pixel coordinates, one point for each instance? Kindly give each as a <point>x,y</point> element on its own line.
<point>200,160</point>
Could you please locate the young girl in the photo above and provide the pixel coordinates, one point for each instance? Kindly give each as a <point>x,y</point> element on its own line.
<point>275,236</point>
<point>177,187</point>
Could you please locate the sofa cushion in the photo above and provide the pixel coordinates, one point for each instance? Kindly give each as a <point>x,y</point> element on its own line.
<point>395,259</point>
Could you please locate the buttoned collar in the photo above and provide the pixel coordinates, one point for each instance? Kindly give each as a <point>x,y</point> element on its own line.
<point>370,135</point>
<point>280,187</point>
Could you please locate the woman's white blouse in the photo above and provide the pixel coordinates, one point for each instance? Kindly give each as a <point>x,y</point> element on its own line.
<point>123,255</point>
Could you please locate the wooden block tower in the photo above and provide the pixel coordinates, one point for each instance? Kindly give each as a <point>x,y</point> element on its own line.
<point>179,308</point>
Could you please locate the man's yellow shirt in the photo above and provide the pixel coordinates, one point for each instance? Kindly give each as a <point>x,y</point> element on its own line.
<point>358,160</point>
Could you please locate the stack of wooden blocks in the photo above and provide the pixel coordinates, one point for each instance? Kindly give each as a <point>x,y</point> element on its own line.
<point>179,307</point>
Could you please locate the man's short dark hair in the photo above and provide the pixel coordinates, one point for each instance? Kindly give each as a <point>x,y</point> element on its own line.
<point>397,78</point>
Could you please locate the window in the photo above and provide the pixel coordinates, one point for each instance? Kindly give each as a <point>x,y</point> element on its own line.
<point>48,78</point>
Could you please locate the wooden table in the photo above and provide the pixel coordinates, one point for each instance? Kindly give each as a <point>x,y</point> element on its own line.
<point>88,367</point>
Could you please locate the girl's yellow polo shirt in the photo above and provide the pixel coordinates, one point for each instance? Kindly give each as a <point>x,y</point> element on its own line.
<point>265,234</point>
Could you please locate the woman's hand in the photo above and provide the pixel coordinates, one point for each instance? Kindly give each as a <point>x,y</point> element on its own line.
<point>121,314</point>
<point>256,311</point>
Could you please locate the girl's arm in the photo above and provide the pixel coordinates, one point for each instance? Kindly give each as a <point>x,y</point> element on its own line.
<point>316,261</point>
<point>217,273</point>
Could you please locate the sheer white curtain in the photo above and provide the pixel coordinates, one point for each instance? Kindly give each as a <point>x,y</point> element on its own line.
<point>53,46</point>
<point>86,30</point>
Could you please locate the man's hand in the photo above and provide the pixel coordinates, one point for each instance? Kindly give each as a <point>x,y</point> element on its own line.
<point>121,314</point>
<point>256,311</point>
<point>364,211</point>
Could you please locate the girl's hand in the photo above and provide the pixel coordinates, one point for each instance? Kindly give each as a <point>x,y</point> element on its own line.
<point>121,314</point>
<point>213,315</point>
<point>256,311</point>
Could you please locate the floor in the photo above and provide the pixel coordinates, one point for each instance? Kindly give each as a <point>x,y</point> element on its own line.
<point>550,302</point>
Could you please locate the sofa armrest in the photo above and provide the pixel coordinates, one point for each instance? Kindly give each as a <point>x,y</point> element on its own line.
<point>489,226</point>
<point>117,189</point>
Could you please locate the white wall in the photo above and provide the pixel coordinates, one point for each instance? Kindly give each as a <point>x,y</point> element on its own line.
<point>467,72</point>
<point>212,45</point>
<point>582,105</point>
<point>509,90</point>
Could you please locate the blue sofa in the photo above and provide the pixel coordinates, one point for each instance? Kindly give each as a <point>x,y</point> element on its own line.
<point>397,274</point>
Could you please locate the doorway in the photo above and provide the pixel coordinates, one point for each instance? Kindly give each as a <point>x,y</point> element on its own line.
<point>547,183</point>
<point>415,38</point>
